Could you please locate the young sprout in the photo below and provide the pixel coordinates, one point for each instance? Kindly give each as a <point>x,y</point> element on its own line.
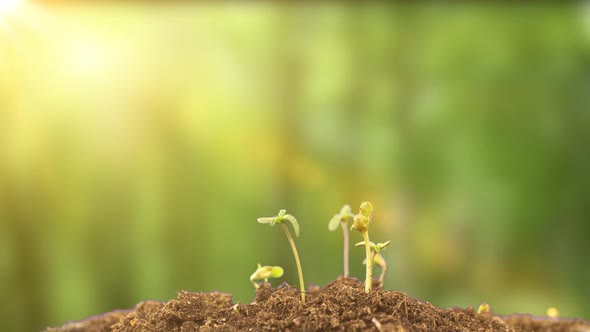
<point>484,308</point>
<point>280,218</point>
<point>361,224</point>
<point>376,257</point>
<point>265,272</point>
<point>342,220</point>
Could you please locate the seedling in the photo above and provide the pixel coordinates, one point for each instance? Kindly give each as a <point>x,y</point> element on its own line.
<point>376,257</point>
<point>265,272</point>
<point>361,224</point>
<point>280,218</point>
<point>484,308</point>
<point>342,220</point>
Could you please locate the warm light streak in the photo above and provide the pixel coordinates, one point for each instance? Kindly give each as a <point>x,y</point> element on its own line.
<point>8,6</point>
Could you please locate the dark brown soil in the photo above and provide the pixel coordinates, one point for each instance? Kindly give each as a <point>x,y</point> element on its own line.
<point>341,305</point>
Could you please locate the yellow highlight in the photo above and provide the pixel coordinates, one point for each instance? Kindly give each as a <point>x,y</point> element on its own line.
<point>483,308</point>
<point>8,5</point>
<point>552,312</point>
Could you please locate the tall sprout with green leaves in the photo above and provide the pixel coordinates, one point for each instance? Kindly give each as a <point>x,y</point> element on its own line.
<point>361,224</point>
<point>280,219</point>
<point>342,220</point>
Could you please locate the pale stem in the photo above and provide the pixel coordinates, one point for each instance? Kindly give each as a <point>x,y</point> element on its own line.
<point>346,241</point>
<point>292,243</point>
<point>382,275</point>
<point>373,254</point>
<point>383,268</point>
<point>369,274</point>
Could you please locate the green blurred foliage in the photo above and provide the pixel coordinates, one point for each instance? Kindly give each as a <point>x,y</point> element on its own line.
<point>139,143</point>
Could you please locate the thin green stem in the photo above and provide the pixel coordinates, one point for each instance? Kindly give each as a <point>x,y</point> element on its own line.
<point>369,274</point>
<point>346,246</point>
<point>292,243</point>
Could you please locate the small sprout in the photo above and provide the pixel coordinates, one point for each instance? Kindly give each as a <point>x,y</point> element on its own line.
<point>361,224</point>
<point>376,257</point>
<point>484,308</point>
<point>235,308</point>
<point>552,312</point>
<point>265,272</point>
<point>342,220</point>
<point>342,217</point>
<point>280,218</point>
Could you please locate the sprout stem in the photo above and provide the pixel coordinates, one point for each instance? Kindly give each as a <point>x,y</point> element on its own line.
<point>346,245</point>
<point>292,243</point>
<point>254,283</point>
<point>382,276</point>
<point>383,271</point>
<point>369,274</point>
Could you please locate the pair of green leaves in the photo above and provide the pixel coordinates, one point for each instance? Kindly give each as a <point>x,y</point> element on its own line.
<point>341,218</point>
<point>376,247</point>
<point>280,218</point>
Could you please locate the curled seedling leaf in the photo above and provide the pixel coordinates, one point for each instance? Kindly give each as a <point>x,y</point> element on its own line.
<point>367,210</point>
<point>360,223</point>
<point>342,220</point>
<point>265,272</point>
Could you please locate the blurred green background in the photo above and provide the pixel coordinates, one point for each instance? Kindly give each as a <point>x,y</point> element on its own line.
<point>140,142</point>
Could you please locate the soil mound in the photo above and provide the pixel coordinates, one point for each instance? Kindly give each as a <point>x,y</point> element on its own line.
<point>341,305</point>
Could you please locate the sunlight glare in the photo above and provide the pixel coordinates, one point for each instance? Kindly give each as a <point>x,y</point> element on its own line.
<point>8,5</point>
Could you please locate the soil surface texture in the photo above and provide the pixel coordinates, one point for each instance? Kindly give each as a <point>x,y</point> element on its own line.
<point>341,305</point>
